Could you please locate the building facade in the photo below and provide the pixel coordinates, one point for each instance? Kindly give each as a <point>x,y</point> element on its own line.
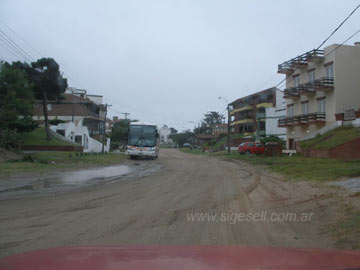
<point>110,123</point>
<point>164,133</point>
<point>258,114</point>
<point>220,129</point>
<point>319,85</point>
<point>84,117</point>
<point>76,106</point>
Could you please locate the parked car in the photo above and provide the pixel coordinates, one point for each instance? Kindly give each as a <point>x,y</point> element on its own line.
<point>188,145</point>
<point>251,148</point>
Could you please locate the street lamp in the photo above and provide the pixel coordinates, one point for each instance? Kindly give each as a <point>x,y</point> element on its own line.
<point>228,129</point>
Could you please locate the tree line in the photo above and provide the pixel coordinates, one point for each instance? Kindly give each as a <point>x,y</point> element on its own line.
<point>20,85</point>
<point>206,126</point>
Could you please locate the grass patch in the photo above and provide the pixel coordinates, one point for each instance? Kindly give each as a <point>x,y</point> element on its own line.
<point>297,167</point>
<point>38,137</point>
<point>306,168</point>
<point>213,144</point>
<point>47,161</point>
<point>332,138</point>
<point>347,232</point>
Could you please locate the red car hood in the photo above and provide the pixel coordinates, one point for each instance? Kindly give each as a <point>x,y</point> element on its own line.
<point>181,257</point>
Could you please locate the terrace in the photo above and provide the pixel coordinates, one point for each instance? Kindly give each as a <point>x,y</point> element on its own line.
<point>303,119</point>
<point>290,66</point>
<point>309,88</point>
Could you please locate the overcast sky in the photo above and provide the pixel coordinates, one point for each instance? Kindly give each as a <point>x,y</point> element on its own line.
<point>168,61</point>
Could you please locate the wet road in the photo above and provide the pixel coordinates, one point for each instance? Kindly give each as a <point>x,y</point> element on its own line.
<point>156,208</point>
<point>67,181</point>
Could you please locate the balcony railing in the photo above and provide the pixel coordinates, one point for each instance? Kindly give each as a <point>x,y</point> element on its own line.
<point>291,93</point>
<point>292,64</point>
<point>314,54</point>
<point>308,88</point>
<point>326,83</point>
<point>303,119</point>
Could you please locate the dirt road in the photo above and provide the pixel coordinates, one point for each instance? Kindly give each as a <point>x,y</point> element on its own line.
<point>157,209</point>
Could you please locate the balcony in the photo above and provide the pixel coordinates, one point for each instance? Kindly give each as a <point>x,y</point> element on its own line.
<point>289,67</point>
<point>242,121</point>
<point>291,93</point>
<point>243,108</point>
<point>303,119</point>
<point>323,84</point>
<point>315,55</point>
<point>260,115</point>
<point>309,88</point>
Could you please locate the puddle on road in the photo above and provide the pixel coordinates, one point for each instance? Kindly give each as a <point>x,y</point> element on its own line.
<point>84,176</point>
<point>76,179</point>
<point>352,184</point>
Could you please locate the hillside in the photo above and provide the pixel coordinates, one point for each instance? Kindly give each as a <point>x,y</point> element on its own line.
<point>332,138</point>
<point>38,137</point>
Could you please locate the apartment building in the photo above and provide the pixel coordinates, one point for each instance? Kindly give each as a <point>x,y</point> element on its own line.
<point>258,114</point>
<point>319,85</point>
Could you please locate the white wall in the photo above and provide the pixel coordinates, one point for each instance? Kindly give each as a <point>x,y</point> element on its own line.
<point>271,124</point>
<point>273,115</point>
<point>96,99</point>
<point>164,133</point>
<point>71,130</point>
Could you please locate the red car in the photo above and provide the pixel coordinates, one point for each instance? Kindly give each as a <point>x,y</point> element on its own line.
<point>251,148</point>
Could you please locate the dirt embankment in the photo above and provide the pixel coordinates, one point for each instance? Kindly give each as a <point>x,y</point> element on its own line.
<point>7,155</point>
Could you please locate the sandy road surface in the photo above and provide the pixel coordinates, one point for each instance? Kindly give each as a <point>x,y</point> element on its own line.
<point>155,209</point>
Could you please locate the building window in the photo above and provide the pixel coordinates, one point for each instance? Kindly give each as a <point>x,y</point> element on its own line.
<point>296,79</point>
<point>49,107</point>
<point>321,105</point>
<point>311,75</point>
<point>329,71</point>
<point>305,107</point>
<point>290,110</point>
<point>248,128</point>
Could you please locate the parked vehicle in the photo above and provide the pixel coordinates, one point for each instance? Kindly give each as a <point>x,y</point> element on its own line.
<point>188,145</point>
<point>251,148</point>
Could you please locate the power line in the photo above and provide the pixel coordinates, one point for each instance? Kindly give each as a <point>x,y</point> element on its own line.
<point>10,51</point>
<point>23,40</point>
<point>11,48</point>
<point>333,50</point>
<point>337,28</point>
<point>16,45</point>
<point>326,39</point>
<point>21,55</point>
<point>357,32</point>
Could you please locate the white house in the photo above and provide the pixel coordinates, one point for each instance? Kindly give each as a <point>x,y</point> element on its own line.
<point>164,135</point>
<point>78,133</point>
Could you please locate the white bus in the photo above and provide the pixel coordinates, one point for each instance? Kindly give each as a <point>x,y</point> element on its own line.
<point>143,140</point>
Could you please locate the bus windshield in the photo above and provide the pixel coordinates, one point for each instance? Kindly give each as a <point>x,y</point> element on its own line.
<point>142,135</point>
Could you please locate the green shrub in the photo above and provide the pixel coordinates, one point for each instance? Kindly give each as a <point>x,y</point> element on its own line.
<point>55,122</point>
<point>10,139</point>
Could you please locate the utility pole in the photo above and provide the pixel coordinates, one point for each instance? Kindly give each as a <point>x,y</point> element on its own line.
<point>126,114</point>
<point>228,125</point>
<point>228,129</point>
<point>104,130</point>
